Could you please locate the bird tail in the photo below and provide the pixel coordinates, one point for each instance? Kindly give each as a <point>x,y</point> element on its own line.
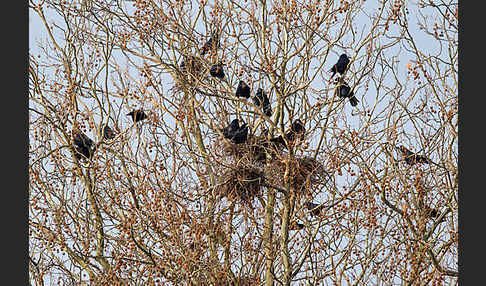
<point>333,70</point>
<point>353,100</point>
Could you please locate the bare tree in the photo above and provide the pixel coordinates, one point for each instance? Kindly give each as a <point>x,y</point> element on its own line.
<point>363,192</point>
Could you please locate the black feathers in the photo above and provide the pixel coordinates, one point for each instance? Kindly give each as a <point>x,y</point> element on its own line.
<point>430,212</point>
<point>83,145</point>
<point>243,90</point>
<point>412,158</point>
<point>314,208</point>
<point>344,91</point>
<point>217,71</point>
<point>236,133</point>
<point>107,132</point>
<point>297,130</point>
<point>211,44</point>
<point>137,115</point>
<point>341,65</point>
<point>261,99</point>
<point>296,226</point>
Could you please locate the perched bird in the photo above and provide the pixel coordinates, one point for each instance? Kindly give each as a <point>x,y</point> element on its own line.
<point>137,115</point>
<point>296,129</point>
<point>236,133</point>
<point>243,90</point>
<point>345,91</point>
<point>296,226</point>
<point>231,128</point>
<point>83,145</point>
<point>341,65</point>
<point>211,44</point>
<point>430,212</point>
<point>261,99</point>
<point>217,71</point>
<point>107,132</point>
<point>278,141</point>
<point>241,135</point>
<point>314,208</point>
<point>412,158</point>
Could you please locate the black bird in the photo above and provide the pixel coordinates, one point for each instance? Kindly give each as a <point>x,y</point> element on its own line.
<point>236,133</point>
<point>137,115</point>
<point>243,90</point>
<point>412,158</point>
<point>341,65</point>
<point>241,135</point>
<point>217,71</point>
<point>314,208</point>
<point>345,91</point>
<point>430,212</point>
<point>231,128</point>
<point>296,226</point>
<point>211,44</point>
<point>261,99</point>
<point>107,132</point>
<point>83,145</point>
<point>296,129</point>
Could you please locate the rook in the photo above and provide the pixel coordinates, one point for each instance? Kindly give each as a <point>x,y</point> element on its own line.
<point>83,145</point>
<point>261,99</point>
<point>412,158</point>
<point>345,91</point>
<point>137,115</point>
<point>314,208</point>
<point>107,132</point>
<point>217,71</point>
<point>243,90</point>
<point>341,65</point>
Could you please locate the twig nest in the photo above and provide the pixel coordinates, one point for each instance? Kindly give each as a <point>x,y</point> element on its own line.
<point>303,174</point>
<point>241,183</point>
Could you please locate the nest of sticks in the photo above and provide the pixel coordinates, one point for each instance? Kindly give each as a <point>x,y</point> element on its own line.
<point>240,183</point>
<point>252,151</point>
<point>304,173</point>
<point>245,167</point>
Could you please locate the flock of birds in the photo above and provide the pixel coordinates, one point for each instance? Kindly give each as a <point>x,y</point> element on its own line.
<point>84,147</point>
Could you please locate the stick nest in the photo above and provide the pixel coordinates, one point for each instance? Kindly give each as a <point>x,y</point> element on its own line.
<point>240,183</point>
<point>304,172</point>
<point>245,168</point>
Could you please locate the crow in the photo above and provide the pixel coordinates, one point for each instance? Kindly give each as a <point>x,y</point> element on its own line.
<point>243,90</point>
<point>296,226</point>
<point>430,212</point>
<point>217,71</point>
<point>236,133</point>
<point>211,44</point>
<point>345,91</point>
<point>83,145</point>
<point>261,99</point>
<point>107,132</point>
<point>314,208</point>
<point>241,136</point>
<point>412,158</point>
<point>296,129</point>
<point>341,65</point>
<point>137,115</point>
<point>231,128</point>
